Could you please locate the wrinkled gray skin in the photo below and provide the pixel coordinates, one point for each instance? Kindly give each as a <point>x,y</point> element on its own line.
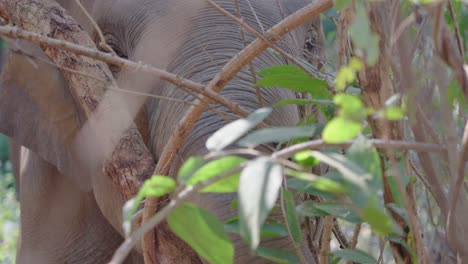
<point>77,219</point>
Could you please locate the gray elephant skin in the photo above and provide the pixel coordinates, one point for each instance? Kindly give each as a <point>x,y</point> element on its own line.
<point>73,217</point>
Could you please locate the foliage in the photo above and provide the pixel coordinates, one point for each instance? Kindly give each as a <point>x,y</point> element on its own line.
<point>9,218</point>
<point>358,180</point>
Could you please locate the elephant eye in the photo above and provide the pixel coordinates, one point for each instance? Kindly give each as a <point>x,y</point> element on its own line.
<point>112,42</point>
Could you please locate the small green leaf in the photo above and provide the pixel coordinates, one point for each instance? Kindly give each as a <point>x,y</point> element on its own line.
<point>291,217</point>
<point>157,186</point>
<point>231,132</point>
<point>340,130</point>
<point>304,158</point>
<point>281,134</point>
<point>203,232</point>
<point>189,167</point>
<point>259,187</point>
<point>277,255</point>
<point>354,255</point>
<point>393,113</point>
<point>216,168</point>
<point>294,79</point>
<point>351,106</point>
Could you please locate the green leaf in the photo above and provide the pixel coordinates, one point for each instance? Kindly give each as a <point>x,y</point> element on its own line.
<point>294,79</point>
<point>203,232</point>
<point>362,36</point>
<point>341,5</point>
<point>259,187</point>
<point>269,230</point>
<point>380,222</point>
<point>340,130</point>
<point>351,106</point>
<point>394,113</point>
<point>320,183</point>
<point>354,255</point>
<point>309,188</point>
<point>291,217</point>
<point>365,155</point>
<point>157,186</point>
<point>277,255</point>
<point>281,134</point>
<point>216,168</point>
<point>189,167</point>
<point>312,209</point>
<point>304,158</point>
<point>347,73</point>
<point>351,172</point>
<point>231,132</point>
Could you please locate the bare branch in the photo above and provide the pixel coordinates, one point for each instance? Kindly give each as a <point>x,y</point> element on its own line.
<point>16,33</point>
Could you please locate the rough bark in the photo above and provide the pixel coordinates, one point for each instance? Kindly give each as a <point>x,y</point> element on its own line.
<point>130,162</point>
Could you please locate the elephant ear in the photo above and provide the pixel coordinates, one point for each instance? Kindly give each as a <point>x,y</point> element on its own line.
<point>37,110</point>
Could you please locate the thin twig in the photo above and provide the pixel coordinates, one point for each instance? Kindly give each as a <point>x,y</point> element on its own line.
<point>326,239</point>
<point>231,69</point>
<point>103,43</point>
<point>457,29</point>
<point>378,143</point>
<point>272,45</point>
<point>122,252</point>
<point>16,33</point>
<point>251,66</point>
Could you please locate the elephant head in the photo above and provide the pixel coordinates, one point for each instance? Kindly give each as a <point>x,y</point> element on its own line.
<point>71,216</point>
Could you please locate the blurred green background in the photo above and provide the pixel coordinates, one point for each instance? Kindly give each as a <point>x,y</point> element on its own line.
<point>9,207</point>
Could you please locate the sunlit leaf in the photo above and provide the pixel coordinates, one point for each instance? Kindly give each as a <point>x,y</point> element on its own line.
<point>340,130</point>
<point>393,113</point>
<point>305,158</point>
<point>235,130</point>
<point>157,186</point>
<point>351,106</point>
<point>203,232</point>
<point>259,187</point>
<point>216,168</point>
<point>189,167</point>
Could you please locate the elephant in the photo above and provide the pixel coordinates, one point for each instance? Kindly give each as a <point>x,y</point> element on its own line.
<point>73,217</point>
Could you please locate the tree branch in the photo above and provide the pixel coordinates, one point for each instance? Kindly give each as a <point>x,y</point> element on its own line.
<point>49,18</point>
